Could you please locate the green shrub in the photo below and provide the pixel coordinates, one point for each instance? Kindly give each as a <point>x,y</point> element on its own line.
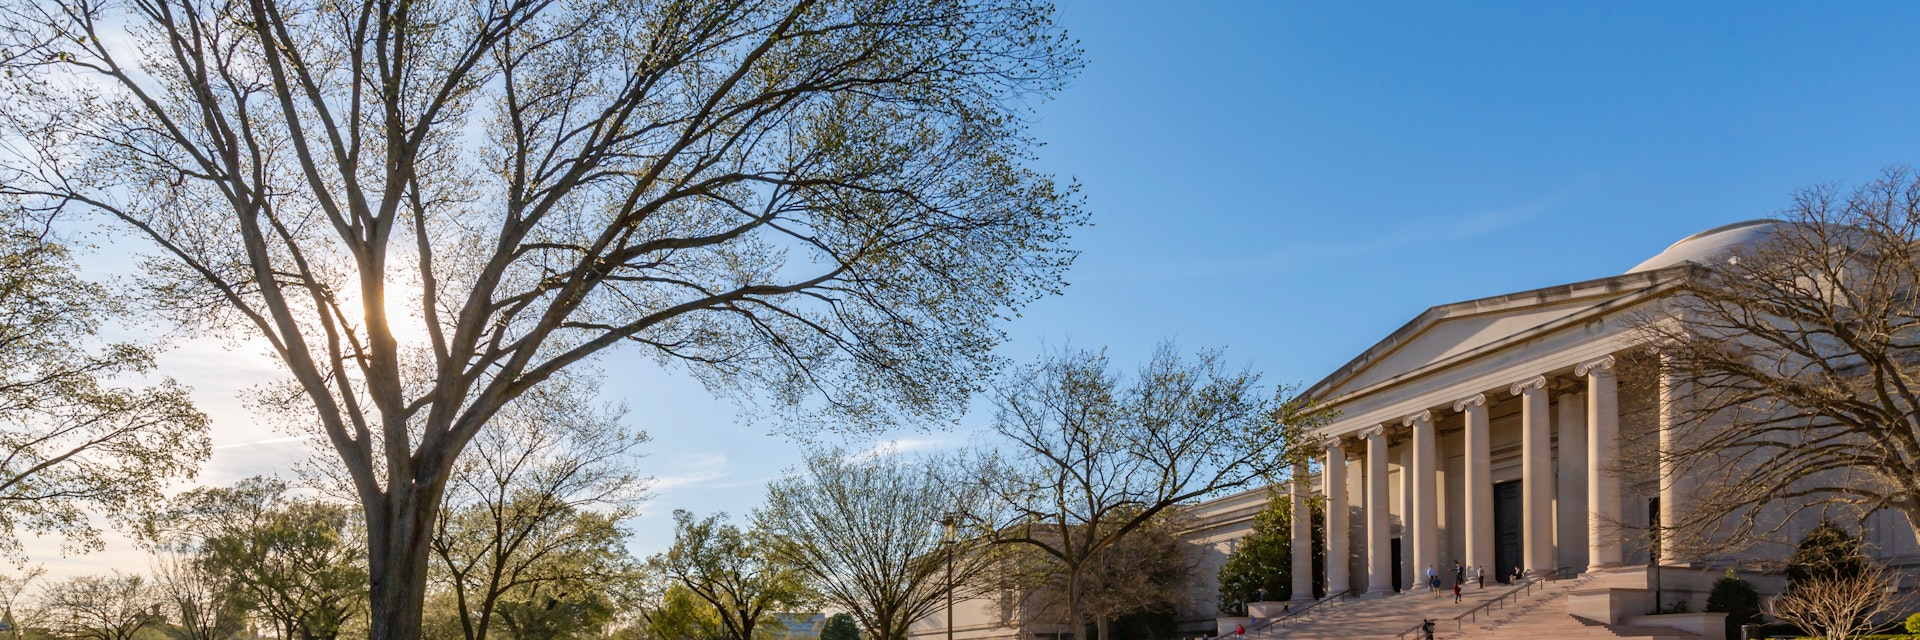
<point>1913,624</point>
<point>1738,599</point>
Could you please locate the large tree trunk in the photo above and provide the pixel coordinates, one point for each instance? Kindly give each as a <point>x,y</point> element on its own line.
<point>398,552</point>
<point>1074,625</point>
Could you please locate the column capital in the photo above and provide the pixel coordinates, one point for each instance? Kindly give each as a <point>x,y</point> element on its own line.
<point>1423,416</point>
<point>1475,400</point>
<point>1601,366</point>
<point>1333,444</point>
<point>1536,382</point>
<point>1375,430</point>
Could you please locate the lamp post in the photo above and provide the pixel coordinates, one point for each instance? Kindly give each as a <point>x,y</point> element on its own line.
<point>947,540</point>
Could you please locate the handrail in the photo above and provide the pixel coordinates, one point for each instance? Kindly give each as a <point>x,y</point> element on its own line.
<point>1298,611</point>
<point>1473,615</point>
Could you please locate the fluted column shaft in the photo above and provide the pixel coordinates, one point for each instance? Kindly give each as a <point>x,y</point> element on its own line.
<point>1333,484</point>
<point>1603,451</point>
<point>1479,483</point>
<point>1302,537</point>
<point>1379,550</point>
<point>1425,520</point>
<point>1673,486</point>
<point>1536,485</point>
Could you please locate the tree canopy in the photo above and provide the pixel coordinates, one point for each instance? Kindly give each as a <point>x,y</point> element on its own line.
<point>72,439</point>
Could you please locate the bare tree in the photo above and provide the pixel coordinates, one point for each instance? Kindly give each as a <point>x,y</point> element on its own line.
<point>424,210</point>
<point>1095,456</point>
<point>109,607</point>
<point>203,603</point>
<point>870,534</point>
<point>539,501</point>
<point>1792,367</point>
<point>17,612</point>
<point>1838,606</point>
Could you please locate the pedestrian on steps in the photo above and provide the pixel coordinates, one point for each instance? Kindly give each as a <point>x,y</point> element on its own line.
<point>1456,593</point>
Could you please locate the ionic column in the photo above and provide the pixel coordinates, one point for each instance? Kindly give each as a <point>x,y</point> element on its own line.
<point>1379,549</point>
<point>1333,483</point>
<point>1479,489</point>
<point>1536,479</point>
<point>1425,522</point>
<point>1302,537</point>
<point>1603,449</point>
<point>1409,575</point>
<point>1570,472</point>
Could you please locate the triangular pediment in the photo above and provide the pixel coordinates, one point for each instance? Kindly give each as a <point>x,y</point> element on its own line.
<point>1451,332</point>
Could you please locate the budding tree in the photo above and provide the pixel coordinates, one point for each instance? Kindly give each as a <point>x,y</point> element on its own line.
<point>425,209</point>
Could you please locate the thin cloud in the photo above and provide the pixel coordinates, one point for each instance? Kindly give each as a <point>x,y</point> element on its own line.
<point>697,469</point>
<point>267,441</point>
<point>1438,228</point>
<point>899,445</point>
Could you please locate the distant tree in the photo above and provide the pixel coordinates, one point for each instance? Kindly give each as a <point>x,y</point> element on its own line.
<point>678,614</point>
<point>203,604</point>
<point>294,562</point>
<point>72,439</point>
<point>15,610</point>
<point>110,607</point>
<point>1094,455</point>
<point>731,570</point>
<point>1837,605</point>
<point>536,506</point>
<point>1737,598</point>
<point>425,210</point>
<point>1791,363</point>
<point>867,535</point>
<point>840,626</point>
<point>1264,559</point>
<point>541,611</point>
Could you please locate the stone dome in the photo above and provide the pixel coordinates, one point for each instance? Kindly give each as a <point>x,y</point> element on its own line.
<point>1708,246</point>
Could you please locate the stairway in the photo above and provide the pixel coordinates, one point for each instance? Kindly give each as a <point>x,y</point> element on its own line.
<point>1540,615</point>
<point>1379,617</point>
<point>1545,616</point>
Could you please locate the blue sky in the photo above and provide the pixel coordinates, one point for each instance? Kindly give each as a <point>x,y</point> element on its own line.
<point>1293,181</point>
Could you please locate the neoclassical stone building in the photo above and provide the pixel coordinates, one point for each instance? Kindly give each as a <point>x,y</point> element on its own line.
<point>1484,432</point>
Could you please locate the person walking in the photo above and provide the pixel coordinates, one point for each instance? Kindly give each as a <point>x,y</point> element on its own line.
<point>1433,578</point>
<point>1459,572</point>
<point>1456,593</point>
<point>1481,573</point>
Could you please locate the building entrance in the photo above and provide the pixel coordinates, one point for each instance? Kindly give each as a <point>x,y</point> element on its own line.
<point>1398,569</point>
<point>1507,530</point>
